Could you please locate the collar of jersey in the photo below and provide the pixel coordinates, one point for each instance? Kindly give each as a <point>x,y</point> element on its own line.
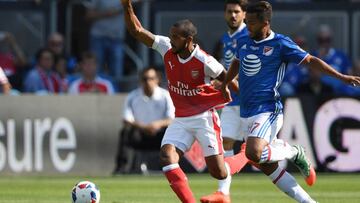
<point>190,57</point>
<point>241,27</point>
<point>270,37</point>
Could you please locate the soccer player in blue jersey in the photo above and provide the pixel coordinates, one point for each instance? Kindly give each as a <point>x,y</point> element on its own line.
<point>260,64</point>
<point>230,118</point>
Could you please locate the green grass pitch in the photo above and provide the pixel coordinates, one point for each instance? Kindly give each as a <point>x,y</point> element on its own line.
<point>249,188</point>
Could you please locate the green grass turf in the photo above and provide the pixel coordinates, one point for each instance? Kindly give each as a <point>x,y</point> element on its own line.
<point>249,188</point>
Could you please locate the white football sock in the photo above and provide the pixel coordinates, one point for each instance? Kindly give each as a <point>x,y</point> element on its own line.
<point>276,151</point>
<point>287,183</point>
<point>224,185</point>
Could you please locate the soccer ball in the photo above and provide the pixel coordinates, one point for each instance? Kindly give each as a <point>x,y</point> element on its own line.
<point>85,192</point>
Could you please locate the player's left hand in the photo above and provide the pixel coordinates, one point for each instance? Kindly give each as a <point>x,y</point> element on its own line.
<point>216,84</point>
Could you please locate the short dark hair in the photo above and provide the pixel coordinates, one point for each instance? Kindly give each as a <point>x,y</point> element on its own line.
<point>147,69</point>
<point>87,55</point>
<point>40,53</point>
<point>241,3</point>
<point>262,9</point>
<point>187,27</point>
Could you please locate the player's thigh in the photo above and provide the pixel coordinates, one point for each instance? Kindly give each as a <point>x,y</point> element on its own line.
<point>231,123</point>
<point>177,135</point>
<point>265,126</point>
<point>208,133</point>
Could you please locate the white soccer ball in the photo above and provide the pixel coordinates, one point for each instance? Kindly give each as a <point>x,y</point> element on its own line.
<point>85,192</point>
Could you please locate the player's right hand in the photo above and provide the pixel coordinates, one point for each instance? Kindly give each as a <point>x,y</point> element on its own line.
<point>216,83</point>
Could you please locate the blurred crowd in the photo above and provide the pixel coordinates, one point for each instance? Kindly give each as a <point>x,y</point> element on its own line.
<point>100,68</point>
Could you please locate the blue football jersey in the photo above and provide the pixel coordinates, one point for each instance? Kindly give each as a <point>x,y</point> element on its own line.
<point>231,44</point>
<point>261,71</point>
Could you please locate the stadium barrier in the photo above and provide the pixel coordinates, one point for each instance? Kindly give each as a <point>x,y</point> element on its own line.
<point>59,134</point>
<point>78,135</point>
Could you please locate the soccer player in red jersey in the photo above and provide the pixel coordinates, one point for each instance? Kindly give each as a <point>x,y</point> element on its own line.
<point>188,70</point>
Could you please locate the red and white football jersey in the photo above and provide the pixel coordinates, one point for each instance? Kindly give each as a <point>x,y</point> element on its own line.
<point>189,79</point>
<point>99,85</point>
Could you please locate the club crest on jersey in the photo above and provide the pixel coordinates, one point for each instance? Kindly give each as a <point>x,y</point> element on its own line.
<point>195,74</point>
<point>268,50</point>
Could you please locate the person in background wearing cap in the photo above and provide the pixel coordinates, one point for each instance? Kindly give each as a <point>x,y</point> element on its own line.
<point>334,57</point>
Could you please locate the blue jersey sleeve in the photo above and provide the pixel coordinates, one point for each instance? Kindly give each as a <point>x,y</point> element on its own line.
<point>291,52</point>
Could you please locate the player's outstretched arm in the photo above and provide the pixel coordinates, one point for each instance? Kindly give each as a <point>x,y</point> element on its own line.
<point>134,26</point>
<point>314,62</point>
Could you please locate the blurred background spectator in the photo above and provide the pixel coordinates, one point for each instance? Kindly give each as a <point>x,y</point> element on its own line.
<point>60,68</point>
<point>12,59</point>
<point>5,85</point>
<point>42,79</point>
<point>56,44</point>
<point>334,57</point>
<point>148,110</point>
<point>89,81</point>
<point>314,86</point>
<point>107,36</point>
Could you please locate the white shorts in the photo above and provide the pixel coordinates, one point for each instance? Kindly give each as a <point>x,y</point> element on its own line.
<point>231,123</point>
<point>265,126</point>
<point>204,127</point>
